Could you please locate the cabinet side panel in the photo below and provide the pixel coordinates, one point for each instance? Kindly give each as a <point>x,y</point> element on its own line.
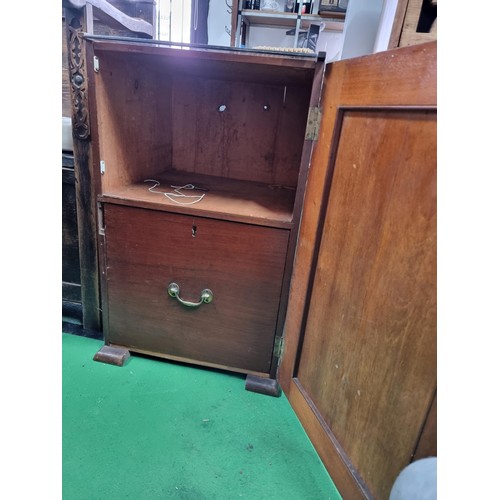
<point>289,143</point>
<point>134,119</point>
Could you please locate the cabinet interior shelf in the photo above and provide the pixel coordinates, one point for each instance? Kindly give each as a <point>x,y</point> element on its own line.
<point>224,198</point>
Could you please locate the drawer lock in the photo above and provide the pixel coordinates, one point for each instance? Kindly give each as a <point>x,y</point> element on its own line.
<point>206,296</point>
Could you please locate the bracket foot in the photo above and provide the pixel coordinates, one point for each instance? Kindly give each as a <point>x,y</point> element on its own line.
<point>267,386</point>
<point>113,355</point>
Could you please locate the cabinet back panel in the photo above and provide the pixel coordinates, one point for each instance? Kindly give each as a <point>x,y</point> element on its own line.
<point>239,130</point>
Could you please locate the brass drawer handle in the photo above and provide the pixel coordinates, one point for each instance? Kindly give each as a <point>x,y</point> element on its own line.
<point>206,296</point>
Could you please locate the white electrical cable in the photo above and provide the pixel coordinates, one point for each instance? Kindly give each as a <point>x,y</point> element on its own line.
<point>177,193</point>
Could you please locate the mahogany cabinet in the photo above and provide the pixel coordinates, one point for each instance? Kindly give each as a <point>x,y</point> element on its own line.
<point>275,216</point>
<point>200,158</point>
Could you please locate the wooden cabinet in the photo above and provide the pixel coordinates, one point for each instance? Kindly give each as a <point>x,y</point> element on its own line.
<point>218,172</point>
<point>200,160</point>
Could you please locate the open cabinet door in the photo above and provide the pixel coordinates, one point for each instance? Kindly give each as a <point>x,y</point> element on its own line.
<point>359,361</point>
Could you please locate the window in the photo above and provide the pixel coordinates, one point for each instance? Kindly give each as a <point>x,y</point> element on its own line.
<point>174,20</point>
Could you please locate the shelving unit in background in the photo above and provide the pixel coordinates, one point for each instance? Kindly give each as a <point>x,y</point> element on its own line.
<point>247,18</point>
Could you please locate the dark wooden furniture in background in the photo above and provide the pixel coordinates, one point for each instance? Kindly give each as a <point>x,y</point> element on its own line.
<point>233,124</point>
<point>415,22</point>
<point>80,292</point>
<point>359,364</point>
<point>71,282</point>
<point>71,292</point>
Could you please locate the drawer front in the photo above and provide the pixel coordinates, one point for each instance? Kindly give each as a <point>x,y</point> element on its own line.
<point>241,264</point>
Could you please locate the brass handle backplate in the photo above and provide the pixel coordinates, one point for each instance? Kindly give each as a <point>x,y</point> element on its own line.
<point>174,291</point>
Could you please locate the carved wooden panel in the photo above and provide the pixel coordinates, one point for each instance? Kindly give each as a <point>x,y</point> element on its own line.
<point>77,75</point>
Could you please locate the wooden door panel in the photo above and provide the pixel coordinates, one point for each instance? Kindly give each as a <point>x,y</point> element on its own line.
<point>360,334</point>
<point>369,345</point>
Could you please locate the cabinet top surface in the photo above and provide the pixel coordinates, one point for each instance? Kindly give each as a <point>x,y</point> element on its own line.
<point>212,61</point>
<point>185,50</point>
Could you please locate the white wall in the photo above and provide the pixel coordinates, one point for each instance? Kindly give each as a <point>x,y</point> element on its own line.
<point>385,25</point>
<point>219,23</point>
<point>361,27</point>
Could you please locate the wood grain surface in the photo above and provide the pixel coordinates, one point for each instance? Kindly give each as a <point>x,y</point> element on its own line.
<point>227,199</point>
<point>155,115</point>
<point>360,334</point>
<point>242,265</point>
<point>370,343</point>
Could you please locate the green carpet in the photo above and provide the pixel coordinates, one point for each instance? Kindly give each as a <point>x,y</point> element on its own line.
<point>155,429</point>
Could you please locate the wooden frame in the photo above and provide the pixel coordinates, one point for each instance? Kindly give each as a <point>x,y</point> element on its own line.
<point>404,30</point>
